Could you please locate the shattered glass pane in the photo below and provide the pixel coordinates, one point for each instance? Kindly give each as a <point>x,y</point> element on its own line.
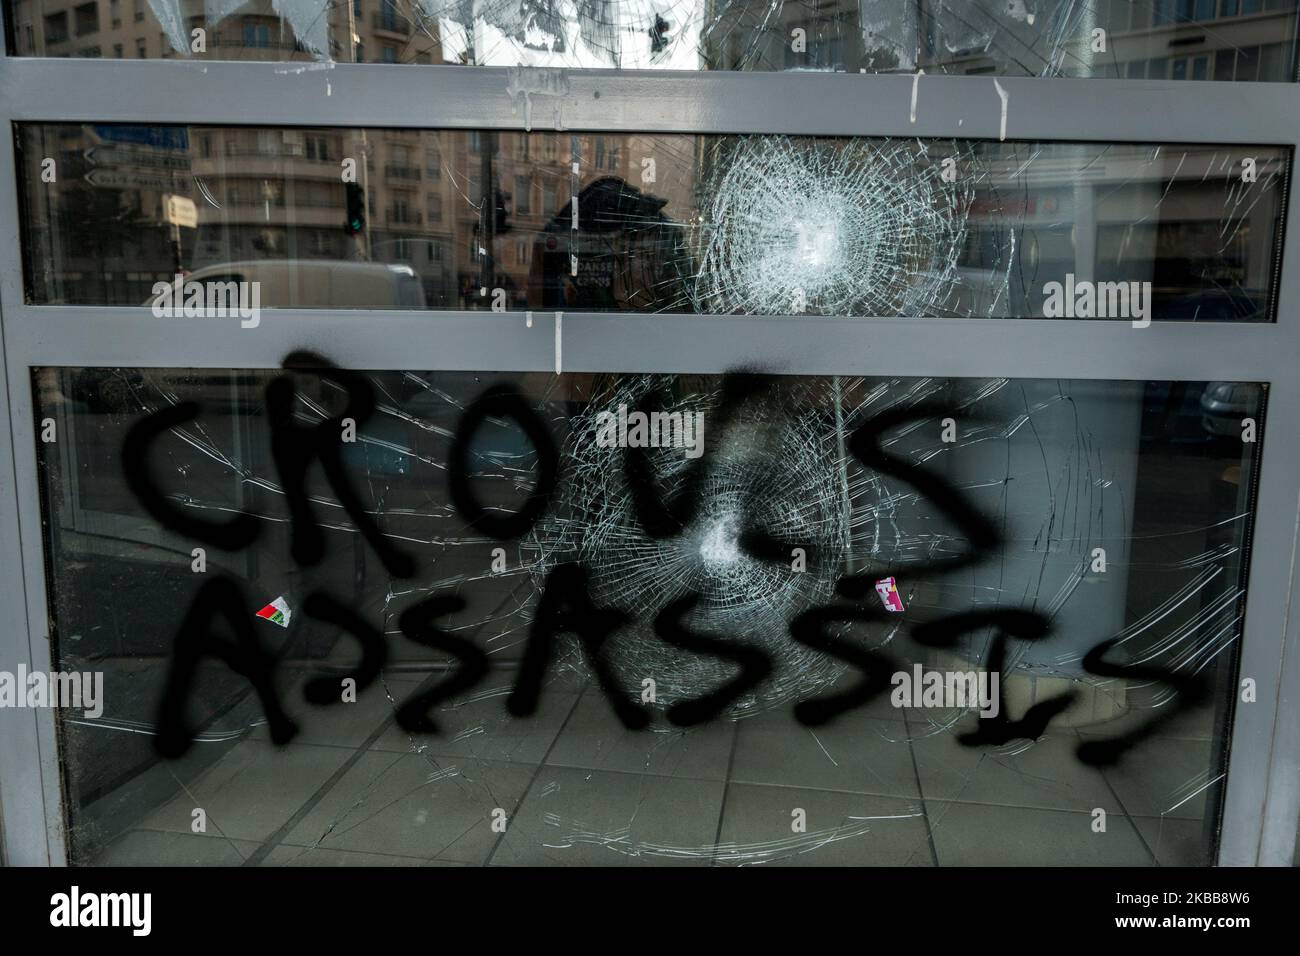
<point>1145,39</point>
<point>1083,542</point>
<point>759,225</point>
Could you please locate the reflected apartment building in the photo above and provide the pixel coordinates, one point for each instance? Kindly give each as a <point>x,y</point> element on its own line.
<point>1222,40</point>
<point>463,211</point>
<point>1234,40</point>
<point>257,193</point>
<point>1225,40</point>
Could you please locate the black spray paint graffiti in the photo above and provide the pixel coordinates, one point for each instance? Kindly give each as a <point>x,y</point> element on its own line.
<point>565,605</point>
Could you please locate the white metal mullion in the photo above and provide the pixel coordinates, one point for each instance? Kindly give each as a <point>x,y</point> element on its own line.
<point>382,95</point>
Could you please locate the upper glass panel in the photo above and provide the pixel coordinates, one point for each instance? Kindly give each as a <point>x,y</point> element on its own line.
<point>1165,39</point>
<point>767,225</point>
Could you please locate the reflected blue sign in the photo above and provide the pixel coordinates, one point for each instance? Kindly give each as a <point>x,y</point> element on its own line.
<point>159,137</point>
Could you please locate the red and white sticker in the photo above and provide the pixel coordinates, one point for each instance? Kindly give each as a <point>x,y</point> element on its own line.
<point>889,596</point>
<point>277,612</point>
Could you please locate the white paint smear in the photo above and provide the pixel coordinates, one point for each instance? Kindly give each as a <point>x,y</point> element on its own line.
<point>559,342</point>
<point>526,82</point>
<point>1004,97</point>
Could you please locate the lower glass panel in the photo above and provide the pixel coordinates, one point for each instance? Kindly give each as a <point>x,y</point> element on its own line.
<point>817,620</point>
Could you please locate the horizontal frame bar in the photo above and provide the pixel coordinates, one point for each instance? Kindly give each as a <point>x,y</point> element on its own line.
<point>650,342</point>
<point>383,95</point>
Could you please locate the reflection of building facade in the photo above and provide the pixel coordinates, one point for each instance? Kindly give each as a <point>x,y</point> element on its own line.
<point>1165,39</point>
<point>279,193</point>
<point>131,29</point>
<point>465,211</point>
<point>260,193</point>
<point>1225,40</point>
<point>1153,39</point>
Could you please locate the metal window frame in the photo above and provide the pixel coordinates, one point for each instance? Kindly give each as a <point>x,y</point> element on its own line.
<point>1262,799</point>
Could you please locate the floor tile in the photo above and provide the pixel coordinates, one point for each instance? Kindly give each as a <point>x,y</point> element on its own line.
<point>478,725</point>
<point>842,829</point>
<point>158,848</point>
<point>1174,842</point>
<point>1045,774</point>
<point>879,707</point>
<point>1196,723</point>
<point>252,791</point>
<point>342,724</point>
<point>1163,776</point>
<point>285,855</point>
<point>599,818</point>
<point>969,834</point>
<point>855,753</point>
<point>594,738</point>
<point>415,805</point>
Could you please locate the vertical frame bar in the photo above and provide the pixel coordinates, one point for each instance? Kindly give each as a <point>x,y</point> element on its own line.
<point>1268,632</point>
<point>31,805</point>
<point>1263,781</point>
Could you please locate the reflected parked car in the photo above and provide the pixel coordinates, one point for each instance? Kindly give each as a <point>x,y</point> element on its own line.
<point>281,284</point>
<point>321,283</point>
<point>1225,404</point>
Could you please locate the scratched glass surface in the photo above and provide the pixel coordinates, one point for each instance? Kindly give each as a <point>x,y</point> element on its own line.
<point>1247,40</point>
<point>672,223</point>
<point>1082,541</point>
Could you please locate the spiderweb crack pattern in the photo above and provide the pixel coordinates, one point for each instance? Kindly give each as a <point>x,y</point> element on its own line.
<point>617,33</point>
<point>778,473</point>
<point>1016,37</point>
<point>835,227</point>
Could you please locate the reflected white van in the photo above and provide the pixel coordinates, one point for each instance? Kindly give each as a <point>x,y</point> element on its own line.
<point>320,283</point>
<point>282,284</point>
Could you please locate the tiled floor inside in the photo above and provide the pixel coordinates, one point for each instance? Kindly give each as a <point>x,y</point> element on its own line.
<point>877,787</point>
